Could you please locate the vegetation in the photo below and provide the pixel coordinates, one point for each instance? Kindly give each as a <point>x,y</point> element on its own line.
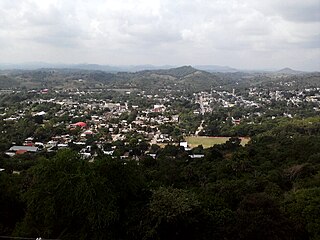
<point>184,78</point>
<point>267,189</point>
<point>123,175</point>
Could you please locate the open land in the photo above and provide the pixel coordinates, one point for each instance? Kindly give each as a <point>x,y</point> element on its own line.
<point>206,142</point>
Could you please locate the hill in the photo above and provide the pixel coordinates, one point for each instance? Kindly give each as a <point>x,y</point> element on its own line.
<point>181,78</point>
<point>288,71</point>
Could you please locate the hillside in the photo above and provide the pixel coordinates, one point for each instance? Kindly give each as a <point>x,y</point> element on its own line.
<point>288,71</point>
<point>181,78</point>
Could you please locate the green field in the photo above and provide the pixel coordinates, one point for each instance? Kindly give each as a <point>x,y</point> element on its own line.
<point>207,142</point>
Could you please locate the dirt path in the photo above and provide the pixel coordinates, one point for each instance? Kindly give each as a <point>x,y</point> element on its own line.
<point>200,128</point>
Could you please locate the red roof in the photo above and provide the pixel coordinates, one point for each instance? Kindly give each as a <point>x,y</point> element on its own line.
<point>80,124</point>
<point>18,152</point>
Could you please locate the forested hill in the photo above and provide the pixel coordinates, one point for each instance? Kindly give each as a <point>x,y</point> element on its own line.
<point>268,189</point>
<point>181,78</point>
<point>184,77</point>
<point>179,72</point>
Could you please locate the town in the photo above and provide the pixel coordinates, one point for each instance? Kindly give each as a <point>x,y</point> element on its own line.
<point>129,123</point>
<point>182,148</point>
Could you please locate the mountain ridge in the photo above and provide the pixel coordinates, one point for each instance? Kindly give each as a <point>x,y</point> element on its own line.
<point>288,70</point>
<point>138,68</point>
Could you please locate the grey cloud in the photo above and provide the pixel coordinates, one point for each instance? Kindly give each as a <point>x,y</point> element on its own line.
<point>50,26</point>
<point>152,34</point>
<point>147,31</point>
<point>309,13</point>
<point>291,10</point>
<point>311,43</point>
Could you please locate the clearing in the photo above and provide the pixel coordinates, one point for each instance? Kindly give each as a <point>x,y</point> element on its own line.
<point>206,142</point>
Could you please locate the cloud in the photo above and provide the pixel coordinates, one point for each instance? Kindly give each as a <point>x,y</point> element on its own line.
<point>161,31</point>
<point>293,10</point>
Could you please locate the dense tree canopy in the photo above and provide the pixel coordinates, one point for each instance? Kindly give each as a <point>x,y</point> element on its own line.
<point>268,189</point>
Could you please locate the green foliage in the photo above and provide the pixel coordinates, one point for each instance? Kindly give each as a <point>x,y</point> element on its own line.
<point>173,213</point>
<point>66,186</point>
<point>11,207</point>
<point>303,208</point>
<point>170,204</point>
<point>260,218</point>
<point>267,189</point>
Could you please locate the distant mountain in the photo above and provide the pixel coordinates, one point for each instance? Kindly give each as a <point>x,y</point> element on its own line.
<point>110,68</point>
<point>124,68</point>
<point>133,68</point>
<point>185,78</point>
<point>216,68</point>
<point>174,72</point>
<point>288,71</point>
<point>82,66</point>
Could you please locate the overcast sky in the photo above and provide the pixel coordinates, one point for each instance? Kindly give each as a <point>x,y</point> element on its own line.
<point>247,34</point>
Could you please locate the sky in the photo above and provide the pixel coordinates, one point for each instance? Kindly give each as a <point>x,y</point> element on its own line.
<point>246,34</point>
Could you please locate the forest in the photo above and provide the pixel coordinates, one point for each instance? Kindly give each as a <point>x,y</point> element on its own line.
<point>267,189</point>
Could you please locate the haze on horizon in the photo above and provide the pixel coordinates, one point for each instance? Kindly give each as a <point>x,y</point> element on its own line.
<point>247,34</point>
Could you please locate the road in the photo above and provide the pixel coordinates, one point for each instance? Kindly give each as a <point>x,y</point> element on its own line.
<point>200,128</point>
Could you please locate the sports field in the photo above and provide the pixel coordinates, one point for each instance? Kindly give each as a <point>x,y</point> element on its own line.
<point>206,142</point>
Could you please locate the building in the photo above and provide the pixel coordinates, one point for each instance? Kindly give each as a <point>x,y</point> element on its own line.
<point>21,150</point>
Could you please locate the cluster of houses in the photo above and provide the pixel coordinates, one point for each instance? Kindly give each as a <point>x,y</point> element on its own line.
<point>84,117</point>
<point>256,98</point>
<point>103,120</point>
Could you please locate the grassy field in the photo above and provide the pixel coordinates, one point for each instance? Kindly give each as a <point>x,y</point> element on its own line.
<point>207,142</point>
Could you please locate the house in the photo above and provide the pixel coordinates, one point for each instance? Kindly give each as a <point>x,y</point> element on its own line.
<point>153,155</point>
<point>79,124</point>
<point>159,108</point>
<point>194,156</point>
<point>108,152</point>
<point>44,91</point>
<point>21,150</point>
<point>185,146</point>
<point>236,121</point>
<point>175,118</point>
<point>42,113</point>
<point>25,148</point>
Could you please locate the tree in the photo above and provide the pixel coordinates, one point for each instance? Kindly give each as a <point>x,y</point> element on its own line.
<point>303,209</point>
<point>38,119</point>
<point>11,206</point>
<point>67,199</point>
<point>258,217</point>
<point>173,214</point>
